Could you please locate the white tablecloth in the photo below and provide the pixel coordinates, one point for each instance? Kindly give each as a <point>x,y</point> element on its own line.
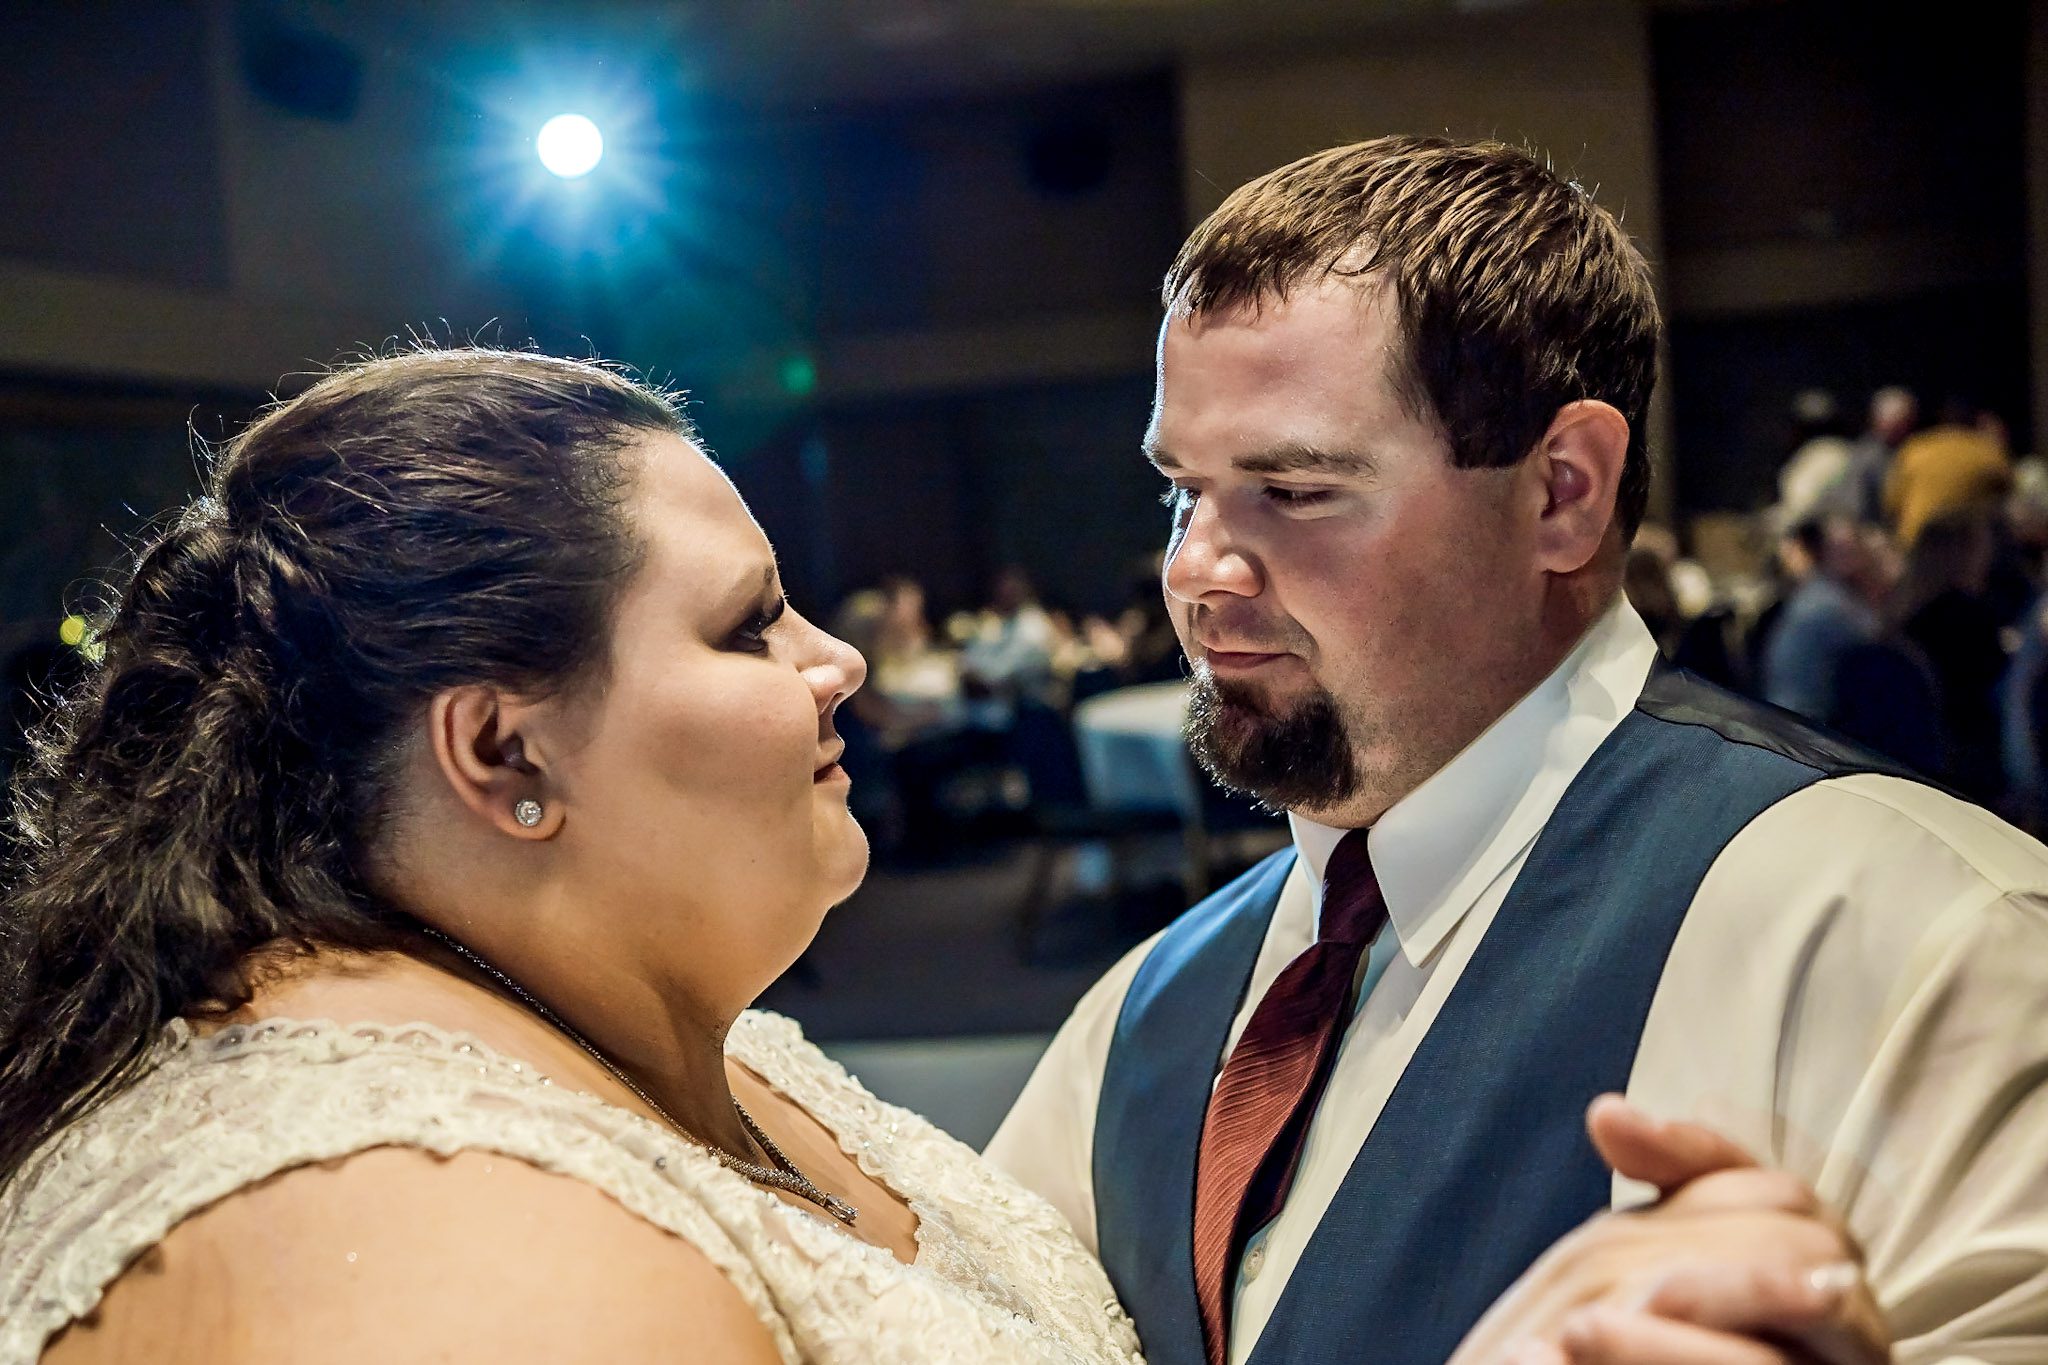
<point>1133,753</point>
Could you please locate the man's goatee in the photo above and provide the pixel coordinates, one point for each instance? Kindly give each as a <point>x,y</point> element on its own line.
<point>1300,759</point>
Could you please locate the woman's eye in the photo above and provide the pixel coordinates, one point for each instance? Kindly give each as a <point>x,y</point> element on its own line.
<point>752,636</point>
<point>1175,495</point>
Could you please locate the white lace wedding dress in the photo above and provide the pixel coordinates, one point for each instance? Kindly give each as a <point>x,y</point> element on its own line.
<point>998,1276</point>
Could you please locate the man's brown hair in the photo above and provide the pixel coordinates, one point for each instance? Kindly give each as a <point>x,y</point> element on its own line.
<point>1514,292</point>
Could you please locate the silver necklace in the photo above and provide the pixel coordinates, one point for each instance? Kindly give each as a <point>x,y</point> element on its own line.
<point>783,1175</point>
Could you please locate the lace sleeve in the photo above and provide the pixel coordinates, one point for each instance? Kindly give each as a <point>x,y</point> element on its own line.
<point>215,1114</point>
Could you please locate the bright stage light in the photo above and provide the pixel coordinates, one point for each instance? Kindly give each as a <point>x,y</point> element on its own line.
<point>569,145</point>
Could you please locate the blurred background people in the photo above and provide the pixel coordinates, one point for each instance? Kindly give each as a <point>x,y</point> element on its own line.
<point>1859,493</point>
<point>1831,608</point>
<point>1958,464</point>
<point>1940,606</point>
<point>1009,654</point>
<point>1820,460</point>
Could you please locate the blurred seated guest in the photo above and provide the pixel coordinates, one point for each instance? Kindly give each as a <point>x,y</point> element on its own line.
<point>1073,651</point>
<point>1888,700</point>
<point>2023,721</point>
<point>1675,597</point>
<point>913,688</point>
<point>2021,554</point>
<point>1152,651</point>
<point>1010,653</point>
<point>1646,579</point>
<point>1789,565</point>
<point>1830,610</point>
<point>1859,493</point>
<point>909,736</point>
<point>1959,464</point>
<point>1710,646</point>
<point>1820,458</point>
<point>908,631</point>
<point>1939,605</point>
<point>906,668</point>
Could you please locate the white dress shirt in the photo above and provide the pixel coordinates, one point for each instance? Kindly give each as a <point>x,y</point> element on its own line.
<point>1859,994</point>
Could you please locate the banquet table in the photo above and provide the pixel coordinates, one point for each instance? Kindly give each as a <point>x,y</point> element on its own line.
<point>1133,752</point>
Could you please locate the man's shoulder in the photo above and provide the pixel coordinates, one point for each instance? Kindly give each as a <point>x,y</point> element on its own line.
<point>1858,892</point>
<point>1901,836</point>
<point>1676,697</point>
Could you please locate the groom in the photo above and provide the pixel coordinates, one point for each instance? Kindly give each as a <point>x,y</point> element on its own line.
<point>1331,1112</point>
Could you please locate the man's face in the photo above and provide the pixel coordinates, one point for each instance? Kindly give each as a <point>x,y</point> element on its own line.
<point>1356,609</point>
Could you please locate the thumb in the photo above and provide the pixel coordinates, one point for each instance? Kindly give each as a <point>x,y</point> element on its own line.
<point>1666,1155</point>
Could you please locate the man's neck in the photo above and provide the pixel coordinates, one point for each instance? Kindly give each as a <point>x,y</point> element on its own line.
<point>1571,610</point>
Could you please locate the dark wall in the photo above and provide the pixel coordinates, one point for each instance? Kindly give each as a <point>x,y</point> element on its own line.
<point>1821,120</point>
<point>949,489</point>
<point>966,214</point>
<point>1048,203</point>
<point>1736,378</point>
<point>1808,131</point>
<point>113,158</point>
<point>83,467</point>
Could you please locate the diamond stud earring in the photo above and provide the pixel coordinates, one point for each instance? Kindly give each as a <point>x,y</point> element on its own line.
<point>527,812</point>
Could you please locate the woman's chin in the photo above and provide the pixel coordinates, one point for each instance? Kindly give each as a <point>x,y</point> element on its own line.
<point>853,867</point>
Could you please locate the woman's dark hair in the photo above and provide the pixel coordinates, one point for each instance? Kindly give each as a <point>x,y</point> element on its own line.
<point>407,524</point>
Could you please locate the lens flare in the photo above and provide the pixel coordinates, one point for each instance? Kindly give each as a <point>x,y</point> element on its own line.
<point>569,145</point>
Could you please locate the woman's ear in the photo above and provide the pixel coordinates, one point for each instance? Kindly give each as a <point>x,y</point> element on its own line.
<point>1579,462</point>
<point>482,749</point>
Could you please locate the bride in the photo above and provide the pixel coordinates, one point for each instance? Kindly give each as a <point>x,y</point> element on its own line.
<point>387,909</point>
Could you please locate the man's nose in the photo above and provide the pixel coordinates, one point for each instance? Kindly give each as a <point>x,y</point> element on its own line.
<point>1207,560</point>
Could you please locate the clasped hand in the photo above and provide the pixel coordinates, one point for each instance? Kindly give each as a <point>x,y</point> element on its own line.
<point>1732,1265</point>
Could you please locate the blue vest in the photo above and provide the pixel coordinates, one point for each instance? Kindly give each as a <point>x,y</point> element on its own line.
<point>1479,1162</point>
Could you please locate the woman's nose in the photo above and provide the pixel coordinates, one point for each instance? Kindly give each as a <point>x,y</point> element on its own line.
<point>838,673</point>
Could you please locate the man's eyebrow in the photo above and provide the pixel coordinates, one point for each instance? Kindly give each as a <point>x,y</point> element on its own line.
<point>1291,457</point>
<point>1295,458</point>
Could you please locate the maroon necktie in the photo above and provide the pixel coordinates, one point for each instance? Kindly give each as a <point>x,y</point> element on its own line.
<point>1259,1112</point>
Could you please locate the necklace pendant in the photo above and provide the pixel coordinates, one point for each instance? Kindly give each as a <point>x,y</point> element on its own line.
<point>840,1209</point>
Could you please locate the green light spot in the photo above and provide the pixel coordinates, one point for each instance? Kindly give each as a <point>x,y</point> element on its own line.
<point>72,632</point>
<point>799,375</point>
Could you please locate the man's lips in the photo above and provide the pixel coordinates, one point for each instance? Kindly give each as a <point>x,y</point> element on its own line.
<point>1238,660</point>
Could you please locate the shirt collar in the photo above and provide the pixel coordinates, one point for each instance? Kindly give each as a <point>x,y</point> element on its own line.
<point>1438,848</point>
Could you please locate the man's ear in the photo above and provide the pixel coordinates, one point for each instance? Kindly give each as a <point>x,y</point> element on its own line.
<point>1578,462</point>
<point>482,749</point>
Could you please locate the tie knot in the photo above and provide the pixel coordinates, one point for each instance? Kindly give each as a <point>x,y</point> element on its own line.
<point>1353,909</point>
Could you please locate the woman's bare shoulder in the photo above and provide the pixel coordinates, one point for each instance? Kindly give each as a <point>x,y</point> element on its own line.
<point>393,989</point>
<point>397,1253</point>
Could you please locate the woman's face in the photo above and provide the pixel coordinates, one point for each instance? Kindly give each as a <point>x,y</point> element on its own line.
<point>704,813</point>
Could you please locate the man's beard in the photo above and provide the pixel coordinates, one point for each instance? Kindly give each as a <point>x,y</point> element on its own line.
<point>1297,760</point>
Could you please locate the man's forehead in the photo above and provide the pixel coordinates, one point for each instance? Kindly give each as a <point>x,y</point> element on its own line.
<point>1331,334</point>
<point>1318,364</point>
